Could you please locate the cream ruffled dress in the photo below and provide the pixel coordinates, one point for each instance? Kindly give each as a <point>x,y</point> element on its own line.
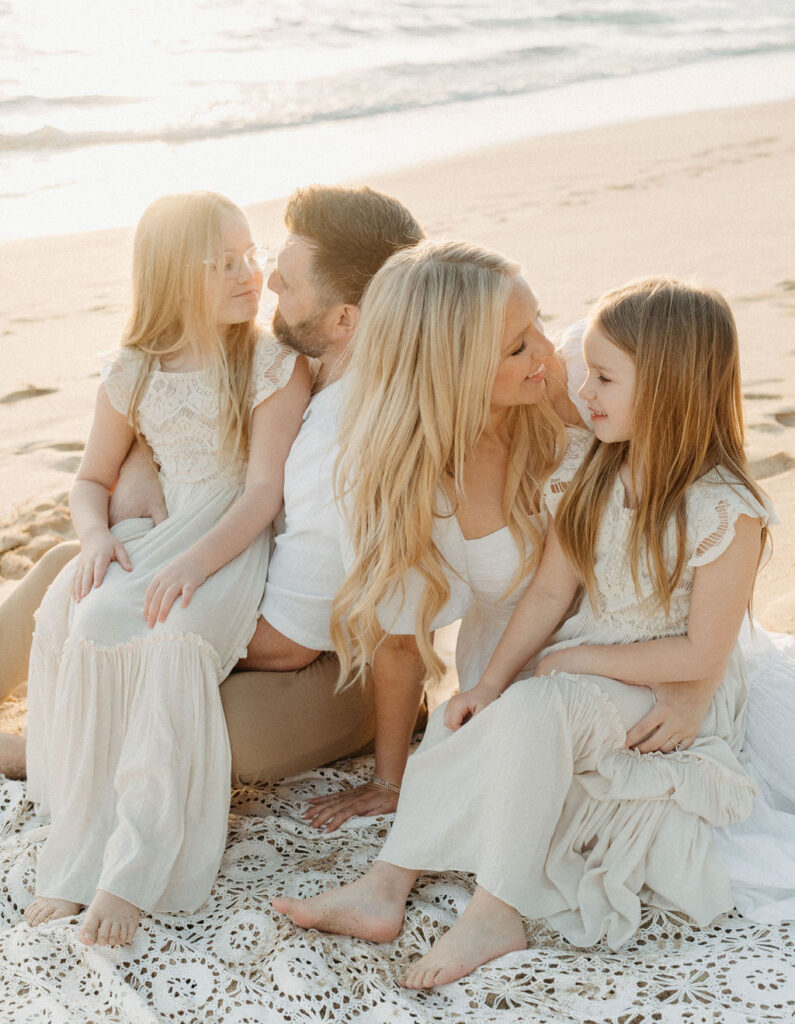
<point>127,744</point>
<point>535,795</point>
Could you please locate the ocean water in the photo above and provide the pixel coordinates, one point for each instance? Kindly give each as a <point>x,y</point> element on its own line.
<point>105,105</point>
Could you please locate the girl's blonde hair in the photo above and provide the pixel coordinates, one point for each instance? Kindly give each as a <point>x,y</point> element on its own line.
<point>425,355</point>
<point>177,242</point>
<point>686,419</point>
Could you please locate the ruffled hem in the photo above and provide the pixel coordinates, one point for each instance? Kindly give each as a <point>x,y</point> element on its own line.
<point>128,752</point>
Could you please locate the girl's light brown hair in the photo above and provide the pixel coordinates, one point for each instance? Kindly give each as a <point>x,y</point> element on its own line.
<point>687,418</point>
<point>425,354</point>
<point>176,242</point>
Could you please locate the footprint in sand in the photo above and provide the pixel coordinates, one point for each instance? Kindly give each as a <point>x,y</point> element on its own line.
<point>56,446</point>
<point>70,465</point>
<point>29,392</point>
<point>772,465</point>
<point>753,396</point>
<point>786,418</point>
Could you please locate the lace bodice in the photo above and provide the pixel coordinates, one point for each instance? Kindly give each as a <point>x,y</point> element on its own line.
<point>179,415</point>
<point>714,504</point>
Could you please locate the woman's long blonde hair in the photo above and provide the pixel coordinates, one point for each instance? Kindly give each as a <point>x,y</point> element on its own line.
<point>176,242</point>
<point>687,418</point>
<point>425,354</point>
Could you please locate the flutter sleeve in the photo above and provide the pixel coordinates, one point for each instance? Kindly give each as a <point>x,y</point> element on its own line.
<point>579,441</point>
<point>715,504</point>
<point>272,369</point>
<point>119,371</point>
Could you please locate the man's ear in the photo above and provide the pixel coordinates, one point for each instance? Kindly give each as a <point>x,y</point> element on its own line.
<point>346,320</point>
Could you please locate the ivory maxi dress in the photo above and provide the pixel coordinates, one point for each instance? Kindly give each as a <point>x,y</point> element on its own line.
<point>127,745</point>
<point>535,794</point>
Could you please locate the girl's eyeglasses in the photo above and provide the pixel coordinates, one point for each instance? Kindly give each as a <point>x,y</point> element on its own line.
<point>230,264</point>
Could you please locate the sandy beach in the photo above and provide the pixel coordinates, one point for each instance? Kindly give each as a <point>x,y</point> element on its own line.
<point>701,195</point>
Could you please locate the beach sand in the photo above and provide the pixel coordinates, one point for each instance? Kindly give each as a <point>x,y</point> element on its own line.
<point>702,196</point>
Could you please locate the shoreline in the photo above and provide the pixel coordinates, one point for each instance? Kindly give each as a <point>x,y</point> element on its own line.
<point>695,194</point>
<point>90,187</point>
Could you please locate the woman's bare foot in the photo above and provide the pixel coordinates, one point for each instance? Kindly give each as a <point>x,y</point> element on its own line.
<point>12,755</point>
<point>109,921</point>
<point>370,908</point>
<point>46,908</point>
<point>488,928</point>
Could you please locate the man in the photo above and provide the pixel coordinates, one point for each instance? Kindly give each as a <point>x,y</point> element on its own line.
<point>282,710</point>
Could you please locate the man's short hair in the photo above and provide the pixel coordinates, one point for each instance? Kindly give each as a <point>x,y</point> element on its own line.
<point>353,232</point>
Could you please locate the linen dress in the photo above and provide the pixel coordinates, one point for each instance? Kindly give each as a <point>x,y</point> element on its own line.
<point>535,795</point>
<point>127,744</point>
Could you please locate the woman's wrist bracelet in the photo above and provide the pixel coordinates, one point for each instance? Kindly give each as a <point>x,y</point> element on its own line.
<point>383,784</point>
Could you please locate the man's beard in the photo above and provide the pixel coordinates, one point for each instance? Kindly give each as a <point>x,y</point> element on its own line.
<point>305,337</point>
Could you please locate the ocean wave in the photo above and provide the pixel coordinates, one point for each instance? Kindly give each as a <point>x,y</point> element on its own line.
<point>29,102</point>
<point>388,89</point>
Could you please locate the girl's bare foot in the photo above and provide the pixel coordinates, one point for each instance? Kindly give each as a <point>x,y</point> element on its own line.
<point>46,908</point>
<point>109,921</point>
<point>370,908</point>
<point>488,928</point>
<point>12,755</point>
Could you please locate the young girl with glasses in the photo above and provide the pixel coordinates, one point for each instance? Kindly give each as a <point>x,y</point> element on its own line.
<point>127,745</point>
<point>659,530</point>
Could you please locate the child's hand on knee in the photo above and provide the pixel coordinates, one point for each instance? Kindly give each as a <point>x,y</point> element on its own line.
<point>182,576</point>
<point>463,706</point>
<point>97,552</point>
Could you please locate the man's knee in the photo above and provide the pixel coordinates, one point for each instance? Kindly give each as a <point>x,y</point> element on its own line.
<point>271,651</point>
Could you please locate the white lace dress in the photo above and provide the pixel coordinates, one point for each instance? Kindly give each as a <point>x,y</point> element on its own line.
<point>127,744</point>
<point>538,799</point>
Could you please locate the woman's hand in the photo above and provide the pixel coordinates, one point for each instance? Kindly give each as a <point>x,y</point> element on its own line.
<point>463,706</point>
<point>97,551</point>
<point>182,576</point>
<point>676,718</point>
<point>330,811</point>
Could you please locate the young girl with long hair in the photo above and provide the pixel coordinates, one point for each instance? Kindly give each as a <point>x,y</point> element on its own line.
<point>659,529</point>
<point>127,745</point>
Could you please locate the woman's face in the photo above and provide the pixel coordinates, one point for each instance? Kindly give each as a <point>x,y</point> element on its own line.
<point>524,347</point>
<point>237,297</point>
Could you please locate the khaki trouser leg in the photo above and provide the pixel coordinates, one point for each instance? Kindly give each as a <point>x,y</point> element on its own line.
<point>16,614</point>
<point>282,723</point>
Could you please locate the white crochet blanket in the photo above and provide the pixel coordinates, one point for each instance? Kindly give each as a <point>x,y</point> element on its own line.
<point>238,962</point>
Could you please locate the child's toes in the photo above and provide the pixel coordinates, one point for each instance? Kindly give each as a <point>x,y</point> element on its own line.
<point>103,933</point>
<point>88,930</point>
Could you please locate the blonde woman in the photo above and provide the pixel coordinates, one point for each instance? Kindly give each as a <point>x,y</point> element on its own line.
<point>444,452</point>
<point>127,744</point>
<point>536,793</point>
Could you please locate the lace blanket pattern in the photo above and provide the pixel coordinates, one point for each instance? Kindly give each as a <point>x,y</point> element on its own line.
<point>238,962</point>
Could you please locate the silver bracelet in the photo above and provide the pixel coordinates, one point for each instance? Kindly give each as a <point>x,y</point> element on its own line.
<point>383,784</point>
